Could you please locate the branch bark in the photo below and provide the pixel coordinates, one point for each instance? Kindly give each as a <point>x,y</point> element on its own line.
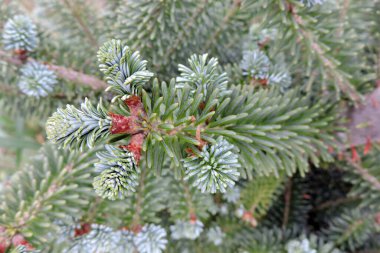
<point>63,72</point>
<point>287,198</point>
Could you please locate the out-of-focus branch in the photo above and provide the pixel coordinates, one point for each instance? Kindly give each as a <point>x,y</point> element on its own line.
<point>364,173</point>
<point>76,14</point>
<point>342,18</point>
<point>63,72</point>
<point>364,121</point>
<point>313,43</point>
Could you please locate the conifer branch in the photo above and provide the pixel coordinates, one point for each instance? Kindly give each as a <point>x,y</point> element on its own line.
<point>342,17</point>
<point>55,184</point>
<point>313,43</point>
<point>184,34</point>
<point>185,156</point>
<point>336,202</point>
<point>62,72</point>
<point>76,14</point>
<point>364,173</point>
<point>232,11</point>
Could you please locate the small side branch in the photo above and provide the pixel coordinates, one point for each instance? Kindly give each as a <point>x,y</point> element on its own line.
<point>63,72</point>
<point>231,13</point>
<point>364,173</point>
<point>287,197</point>
<point>74,11</point>
<point>311,41</point>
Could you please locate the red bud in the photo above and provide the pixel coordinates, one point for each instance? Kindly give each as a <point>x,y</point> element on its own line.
<point>193,218</point>
<point>19,240</point>
<point>135,145</point>
<point>84,229</point>
<point>136,229</point>
<point>368,146</point>
<point>306,196</point>
<point>248,217</point>
<point>377,218</point>
<point>122,124</point>
<point>135,105</point>
<point>354,154</point>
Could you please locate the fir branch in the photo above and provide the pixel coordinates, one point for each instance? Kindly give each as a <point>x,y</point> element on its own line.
<point>62,72</point>
<point>312,42</point>
<point>258,195</point>
<point>118,173</point>
<point>188,25</point>
<point>71,127</point>
<point>54,186</point>
<point>342,17</point>
<point>336,202</point>
<point>186,229</point>
<point>124,69</point>
<point>82,24</point>
<point>364,173</point>
<point>351,228</point>
<point>186,203</point>
<point>149,199</point>
<point>231,12</point>
<point>201,129</point>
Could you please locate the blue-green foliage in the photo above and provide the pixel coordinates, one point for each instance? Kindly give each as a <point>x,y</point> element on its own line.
<point>214,168</point>
<point>20,33</point>
<point>36,80</point>
<point>118,173</point>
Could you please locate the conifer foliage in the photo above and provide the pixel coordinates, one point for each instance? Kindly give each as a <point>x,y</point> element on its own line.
<point>190,126</point>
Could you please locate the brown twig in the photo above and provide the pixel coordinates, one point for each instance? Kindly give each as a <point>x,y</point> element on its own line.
<point>78,77</point>
<point>8,90</point>
<point>335,202</point>
<point>188,198</point>
<point>288,197</point>
<point>63,72</point>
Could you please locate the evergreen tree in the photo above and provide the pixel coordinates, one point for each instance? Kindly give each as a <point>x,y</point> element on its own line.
<point>190,126</point>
